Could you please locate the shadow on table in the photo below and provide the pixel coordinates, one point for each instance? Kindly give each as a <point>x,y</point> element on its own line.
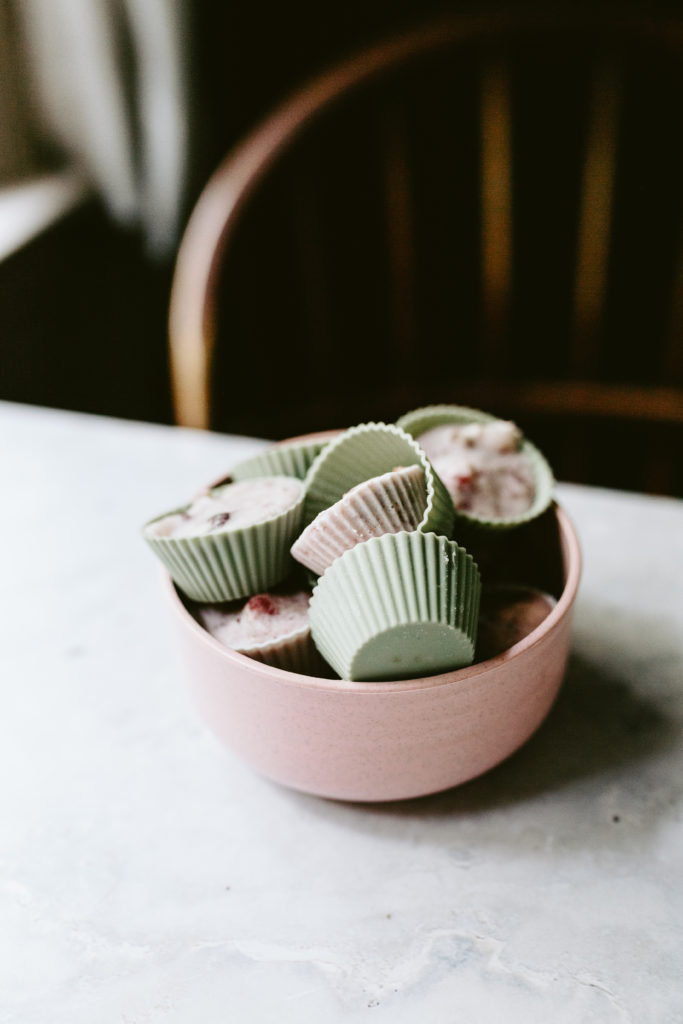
<point>610,716</point>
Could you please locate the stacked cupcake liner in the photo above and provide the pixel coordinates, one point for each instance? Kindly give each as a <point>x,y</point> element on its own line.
<point>415,588</point>
<point>387,504</point>
<point>421,420</point>
<point>291,458</point>
<point>229,564</point>
<point>370,450</point>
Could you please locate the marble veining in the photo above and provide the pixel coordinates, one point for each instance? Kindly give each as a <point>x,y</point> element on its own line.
<point>149,877</point>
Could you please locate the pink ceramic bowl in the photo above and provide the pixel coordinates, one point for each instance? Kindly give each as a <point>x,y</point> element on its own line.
<point>392,740</point>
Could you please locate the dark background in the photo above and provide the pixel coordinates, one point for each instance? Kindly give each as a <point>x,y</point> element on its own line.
<point>83,308</point>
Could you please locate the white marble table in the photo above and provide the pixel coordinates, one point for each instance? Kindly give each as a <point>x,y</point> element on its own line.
<point>147,876</point>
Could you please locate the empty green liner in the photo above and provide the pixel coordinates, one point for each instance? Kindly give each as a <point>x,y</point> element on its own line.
<point>419,421</point>
<point>399,606</point>
<point>367,451</point>
<point>289,458</point>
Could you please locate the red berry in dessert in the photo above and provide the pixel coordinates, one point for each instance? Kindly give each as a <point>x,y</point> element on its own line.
<point>262,604</point>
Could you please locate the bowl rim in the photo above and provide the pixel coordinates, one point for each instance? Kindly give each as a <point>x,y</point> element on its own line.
<point>571,551</point>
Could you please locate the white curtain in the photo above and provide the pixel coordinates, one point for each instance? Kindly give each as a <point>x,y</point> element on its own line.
<point>126,127</point>
<point>16,160</point>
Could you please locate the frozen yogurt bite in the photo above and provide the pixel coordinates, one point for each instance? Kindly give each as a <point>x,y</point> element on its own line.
<point>483,467</point>
<point>230,507</point>
<point>508,613</point>
<point>231,541</point>
<point>262,619</point>
<point>387,503</point>
<point>271,627</point>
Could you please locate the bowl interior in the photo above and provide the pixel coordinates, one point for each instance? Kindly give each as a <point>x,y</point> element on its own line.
<point>544,554</point>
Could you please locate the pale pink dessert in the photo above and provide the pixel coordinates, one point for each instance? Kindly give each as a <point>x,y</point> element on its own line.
<point>482,467</point>
<point>231,507</point>
<point>271,627</point>
<point>388,503</point>
<point>508,613</point>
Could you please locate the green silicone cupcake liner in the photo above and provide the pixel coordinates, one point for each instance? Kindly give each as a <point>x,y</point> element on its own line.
<point>396,607</point>
<point>390,503</point>
<point>420,420</point>
<point>370,450</point>
<point>230,563</point>
<point>291,458</point>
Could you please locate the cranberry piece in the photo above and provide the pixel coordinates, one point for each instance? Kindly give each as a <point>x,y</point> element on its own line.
<point>263,604</point>
<point>465,484</point>
<point>215,522</point>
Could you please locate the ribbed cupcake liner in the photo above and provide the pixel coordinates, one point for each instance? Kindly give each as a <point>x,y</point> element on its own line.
<point>389,503</point>
<point>421,420</point>
<point>418,421</point>
<point>293,653</point>
<point>370,450</point>
<point>397,606</point>
<point>291,458</point>
<point>229,564</point>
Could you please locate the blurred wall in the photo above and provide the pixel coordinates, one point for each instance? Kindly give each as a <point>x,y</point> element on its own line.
<point>83,308</point>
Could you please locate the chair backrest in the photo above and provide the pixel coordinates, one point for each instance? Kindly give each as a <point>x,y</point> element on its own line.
<point>482,211</point>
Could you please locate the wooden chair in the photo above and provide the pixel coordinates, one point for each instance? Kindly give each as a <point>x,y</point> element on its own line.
<point>482,211</point>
